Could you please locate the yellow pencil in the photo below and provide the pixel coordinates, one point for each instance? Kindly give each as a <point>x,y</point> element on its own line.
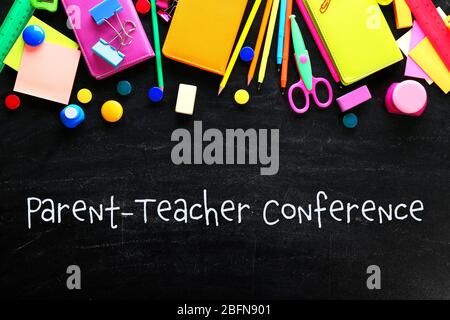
<point>268,43</point>
<point>259,41</point>
<point>239,45</point>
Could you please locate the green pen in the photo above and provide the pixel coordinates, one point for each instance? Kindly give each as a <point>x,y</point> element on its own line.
<point>301,54</point>
<point>157,46</point>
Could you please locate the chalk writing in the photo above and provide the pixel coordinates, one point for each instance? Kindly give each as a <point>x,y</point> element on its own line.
<point>272,212</point>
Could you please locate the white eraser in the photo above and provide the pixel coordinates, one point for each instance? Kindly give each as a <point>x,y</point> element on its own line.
<point>186,99</point>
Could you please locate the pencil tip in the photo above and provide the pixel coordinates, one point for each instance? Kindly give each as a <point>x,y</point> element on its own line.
<point>220,91</point>
<point>259,86</point>
<point>249,80</point>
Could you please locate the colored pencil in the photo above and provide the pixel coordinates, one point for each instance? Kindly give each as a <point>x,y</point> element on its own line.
<point>287,45</point>
<point>259,41</point>
<point>281,33</point>
<point>239,45</point>
<point>159,67</point>
<point>268,43</point>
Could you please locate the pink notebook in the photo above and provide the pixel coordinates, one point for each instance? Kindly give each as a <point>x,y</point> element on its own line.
<point>88,33</point>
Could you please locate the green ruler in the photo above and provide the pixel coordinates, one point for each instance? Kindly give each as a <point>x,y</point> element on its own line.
<point>16,20</point>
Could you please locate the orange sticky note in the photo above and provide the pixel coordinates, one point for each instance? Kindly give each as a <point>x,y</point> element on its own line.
<point>428,59</point>
<point>403,16</point>
<point>48,71</point>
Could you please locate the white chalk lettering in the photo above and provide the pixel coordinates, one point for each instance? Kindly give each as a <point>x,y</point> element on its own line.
<point>216,213</point>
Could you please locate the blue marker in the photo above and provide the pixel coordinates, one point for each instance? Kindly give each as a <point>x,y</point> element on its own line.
<point>283,7</point>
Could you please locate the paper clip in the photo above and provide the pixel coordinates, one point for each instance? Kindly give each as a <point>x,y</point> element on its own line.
<point>101,13</point>
<point>105,10</point>
<point>109,53</point>
<point>163,4</point>
<point>324,6</point>
<point>167,12</point>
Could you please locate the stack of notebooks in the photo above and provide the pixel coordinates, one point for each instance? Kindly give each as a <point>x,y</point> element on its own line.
<point>356,35</point>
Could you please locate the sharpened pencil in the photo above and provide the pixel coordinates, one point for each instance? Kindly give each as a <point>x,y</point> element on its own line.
<point>239,45</point>
<point>259,41</point>
<point>268,43</point>
<point>281,33</point>
<point>287,46</point>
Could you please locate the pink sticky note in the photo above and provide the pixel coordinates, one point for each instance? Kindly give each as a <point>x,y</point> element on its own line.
<point>412,68</point>
<point>48,71</point>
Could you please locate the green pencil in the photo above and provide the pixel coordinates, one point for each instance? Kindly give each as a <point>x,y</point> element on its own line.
<point>159,68</point>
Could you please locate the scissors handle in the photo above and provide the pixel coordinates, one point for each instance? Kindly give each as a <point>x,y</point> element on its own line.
<point>327,84</point>
<point>299,86</point>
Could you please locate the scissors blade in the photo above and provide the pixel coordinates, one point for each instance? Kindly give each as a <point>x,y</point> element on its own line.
<point>301,54</point>
<point>297,38</point>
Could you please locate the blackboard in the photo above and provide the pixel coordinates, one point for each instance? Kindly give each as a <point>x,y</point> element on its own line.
<point>387,158</point>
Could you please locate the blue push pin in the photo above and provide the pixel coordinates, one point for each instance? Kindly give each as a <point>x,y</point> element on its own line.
<point>350,121</point>
<point>124,88</point>
<point>155,94</point>
<point>247,54</point>
<point>33,35</point>
<point>72,116</point>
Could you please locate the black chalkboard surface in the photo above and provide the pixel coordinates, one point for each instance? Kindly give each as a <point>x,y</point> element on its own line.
<point>388,159</point>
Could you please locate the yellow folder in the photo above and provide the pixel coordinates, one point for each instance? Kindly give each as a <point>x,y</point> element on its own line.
<point>356,35</point>
<point>202,33</point>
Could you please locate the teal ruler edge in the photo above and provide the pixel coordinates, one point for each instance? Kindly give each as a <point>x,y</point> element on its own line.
<point>13,25</point>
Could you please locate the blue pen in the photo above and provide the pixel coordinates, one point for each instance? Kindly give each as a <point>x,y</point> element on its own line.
<point>280,47</point>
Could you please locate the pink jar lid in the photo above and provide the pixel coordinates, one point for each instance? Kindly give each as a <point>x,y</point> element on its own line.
<point>410,97</point>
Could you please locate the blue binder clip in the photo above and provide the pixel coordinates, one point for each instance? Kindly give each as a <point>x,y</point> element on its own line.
<point>102,13</point>
<point>104,50</point>
<point>105,10</point>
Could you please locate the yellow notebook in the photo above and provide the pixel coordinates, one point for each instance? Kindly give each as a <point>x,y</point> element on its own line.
<point>356,35</point>
<point>202,33</point>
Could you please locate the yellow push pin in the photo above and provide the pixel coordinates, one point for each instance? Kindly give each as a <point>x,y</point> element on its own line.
<point>112,111</point>
<point>241,97</point>
<point>84,96</point>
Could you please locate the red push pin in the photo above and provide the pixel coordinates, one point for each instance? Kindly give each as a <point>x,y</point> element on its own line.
<point>12,102</point>
<point>143,6</point>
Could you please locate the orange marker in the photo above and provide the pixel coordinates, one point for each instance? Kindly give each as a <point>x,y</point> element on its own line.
<point>287,45</point>
<point>259,41</point>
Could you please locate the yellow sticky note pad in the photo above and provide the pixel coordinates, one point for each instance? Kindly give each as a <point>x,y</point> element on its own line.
<point>51,35</point>
<point>428,59</point>
<point>403,16</point>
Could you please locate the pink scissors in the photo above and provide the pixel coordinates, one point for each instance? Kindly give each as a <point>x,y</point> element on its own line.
<point>308,83</point>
